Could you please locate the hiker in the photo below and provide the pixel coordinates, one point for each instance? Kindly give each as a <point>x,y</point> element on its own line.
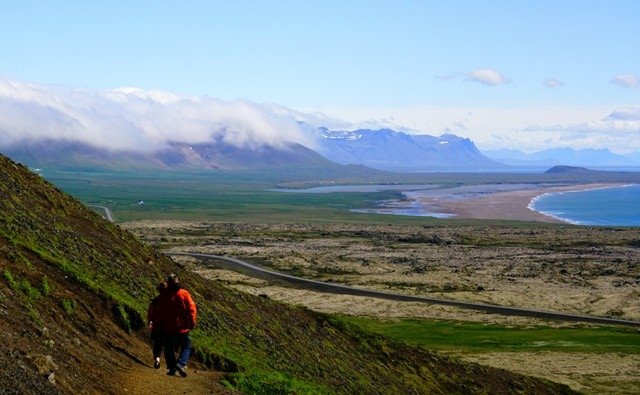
<point>154,317</point>
<point>178,318</point>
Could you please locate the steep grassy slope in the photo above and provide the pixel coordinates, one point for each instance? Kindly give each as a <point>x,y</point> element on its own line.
<point>74,288</point>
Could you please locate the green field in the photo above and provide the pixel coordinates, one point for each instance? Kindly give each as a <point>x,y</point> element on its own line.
<point>220,197</point>
<point>465,337</point>
<point>245,196</point>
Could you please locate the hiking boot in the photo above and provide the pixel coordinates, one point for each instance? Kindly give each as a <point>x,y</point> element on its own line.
<point>182,370</point>
<point>156,364</point>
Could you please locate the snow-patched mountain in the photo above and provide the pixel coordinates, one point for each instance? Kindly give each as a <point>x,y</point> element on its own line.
<point>562,156</point>
<point>386,149</point>
<point>378,149</point>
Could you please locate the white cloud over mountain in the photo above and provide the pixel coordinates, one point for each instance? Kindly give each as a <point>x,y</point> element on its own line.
<point>528,129</point>
<point>135,119</point>
<point>129,118</point>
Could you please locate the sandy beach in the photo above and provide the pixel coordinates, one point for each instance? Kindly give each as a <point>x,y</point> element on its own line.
<point>506,205</point>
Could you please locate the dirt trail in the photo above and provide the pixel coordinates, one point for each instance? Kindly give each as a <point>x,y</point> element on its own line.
<point>141,379</point>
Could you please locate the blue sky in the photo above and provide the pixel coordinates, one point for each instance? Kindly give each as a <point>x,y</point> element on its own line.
<point>518,74</point>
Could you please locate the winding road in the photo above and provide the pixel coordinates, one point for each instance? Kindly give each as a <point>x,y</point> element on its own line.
<point>237,264</point>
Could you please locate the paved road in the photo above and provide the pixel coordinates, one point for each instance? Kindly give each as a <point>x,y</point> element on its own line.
<point>320,286</point>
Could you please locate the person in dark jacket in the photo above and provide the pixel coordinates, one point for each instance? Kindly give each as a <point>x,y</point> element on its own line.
<point>178,318</point>
<point>154,317</point>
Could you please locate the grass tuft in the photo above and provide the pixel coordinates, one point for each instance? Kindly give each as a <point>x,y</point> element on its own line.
<point>271,383</point>
<point>31,292</point>
<point>68,305</point>
<point>10,280</point>
<point>45,288</point>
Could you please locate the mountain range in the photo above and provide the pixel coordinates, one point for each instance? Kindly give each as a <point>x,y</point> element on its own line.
<point>386,149</point>
<point>589,157</point>
<point>382,149</point>
<point>378,149</point>
<point>175,156</point>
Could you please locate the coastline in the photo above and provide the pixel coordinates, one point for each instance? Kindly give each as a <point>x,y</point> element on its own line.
<point>510,205</point>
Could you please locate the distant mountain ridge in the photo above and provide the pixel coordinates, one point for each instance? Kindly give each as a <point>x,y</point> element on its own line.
<point>386,149</point>
<point>175,156</point>
<point>382,149</point>
<point>564,156</point>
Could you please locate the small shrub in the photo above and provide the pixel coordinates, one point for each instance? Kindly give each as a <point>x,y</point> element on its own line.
<point>69,306</point>
<point>122,317</point>
<point>10,280</point>
<point>17,257</point>
<point>45,288</point>
<point>270,383</point>
<point>33,314</point>
<point>30,291</point>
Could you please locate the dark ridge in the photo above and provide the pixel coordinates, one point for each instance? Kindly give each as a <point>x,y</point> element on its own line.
<point>567,169</point>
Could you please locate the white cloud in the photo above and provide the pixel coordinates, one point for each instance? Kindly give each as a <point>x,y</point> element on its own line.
<point>130,118</point>
<point>489,77</point>
<point>552,83</point>
<point>626,114</point>
<point>448,77</point>
<point>626,81</point>
<point>618,131</point>
<point>528,129</point>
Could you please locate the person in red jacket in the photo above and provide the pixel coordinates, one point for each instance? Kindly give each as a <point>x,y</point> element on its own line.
<point>154,318</point>
<point>178,318</point>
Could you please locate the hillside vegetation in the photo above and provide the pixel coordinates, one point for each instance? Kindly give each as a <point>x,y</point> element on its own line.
<point>74,289</point>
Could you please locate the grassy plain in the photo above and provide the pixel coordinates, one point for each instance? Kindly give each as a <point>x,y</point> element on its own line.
<point>470,337</point>
<point>249,196</point>
<point>546,266</point>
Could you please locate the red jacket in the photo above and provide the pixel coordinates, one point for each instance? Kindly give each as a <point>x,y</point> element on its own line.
<point>177,312</point>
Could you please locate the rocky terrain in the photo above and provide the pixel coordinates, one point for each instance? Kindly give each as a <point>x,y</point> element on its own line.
<point>593,271</point>
<point>581,270</point>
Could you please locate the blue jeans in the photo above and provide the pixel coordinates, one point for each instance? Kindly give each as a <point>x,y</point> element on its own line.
<point>181,342</point>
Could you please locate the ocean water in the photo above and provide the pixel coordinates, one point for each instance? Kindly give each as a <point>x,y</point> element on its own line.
<point>618,206</point>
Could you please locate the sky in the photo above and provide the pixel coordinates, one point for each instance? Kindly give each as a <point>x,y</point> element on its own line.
<point>523,75</point>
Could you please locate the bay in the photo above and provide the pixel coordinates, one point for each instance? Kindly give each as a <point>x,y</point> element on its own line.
<point>619,206</point>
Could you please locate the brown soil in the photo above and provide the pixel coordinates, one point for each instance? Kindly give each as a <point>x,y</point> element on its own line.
<point>139,379</point>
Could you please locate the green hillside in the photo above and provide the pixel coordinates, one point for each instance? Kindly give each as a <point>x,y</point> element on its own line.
<point>74,289</point>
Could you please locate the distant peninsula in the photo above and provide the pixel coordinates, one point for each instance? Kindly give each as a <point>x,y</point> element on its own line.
<point>567,169</point>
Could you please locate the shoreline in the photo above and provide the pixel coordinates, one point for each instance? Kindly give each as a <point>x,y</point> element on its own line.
<point>513,205</point>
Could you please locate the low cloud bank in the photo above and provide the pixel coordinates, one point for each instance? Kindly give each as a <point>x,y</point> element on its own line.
<point>134,119</point>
